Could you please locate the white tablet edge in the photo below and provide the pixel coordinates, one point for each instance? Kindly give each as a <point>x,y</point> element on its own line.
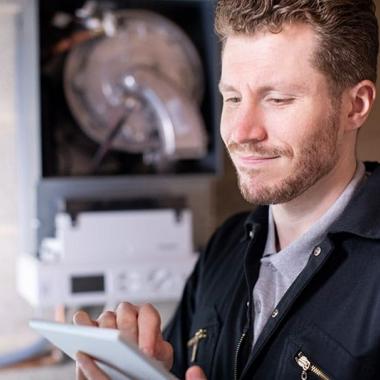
<point>107,345</point>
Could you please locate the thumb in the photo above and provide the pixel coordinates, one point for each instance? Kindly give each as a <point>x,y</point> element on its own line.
<point>195,373</point>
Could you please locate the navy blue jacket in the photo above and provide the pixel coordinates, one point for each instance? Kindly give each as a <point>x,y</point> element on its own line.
<point>327,325</point>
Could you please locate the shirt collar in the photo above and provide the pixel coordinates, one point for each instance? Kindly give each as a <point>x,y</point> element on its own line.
<point>291,260</point>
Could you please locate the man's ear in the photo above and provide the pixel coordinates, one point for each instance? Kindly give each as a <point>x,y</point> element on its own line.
<point>360,102</point>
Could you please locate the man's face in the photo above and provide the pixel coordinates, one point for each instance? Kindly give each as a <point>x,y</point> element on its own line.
<point>279,122</point>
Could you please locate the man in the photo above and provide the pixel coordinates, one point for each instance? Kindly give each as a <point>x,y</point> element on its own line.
<point>291,290</point>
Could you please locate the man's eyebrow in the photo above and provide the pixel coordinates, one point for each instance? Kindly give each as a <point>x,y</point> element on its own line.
<point>265,88</point>
<point>282,86</point>
<point>225,87</point>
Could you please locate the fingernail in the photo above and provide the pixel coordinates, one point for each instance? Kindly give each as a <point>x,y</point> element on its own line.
<point>147,351</point>
<point>195,373</point>
<point>196,377</point>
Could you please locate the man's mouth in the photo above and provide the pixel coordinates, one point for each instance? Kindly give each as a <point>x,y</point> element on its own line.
<point>253,160</point>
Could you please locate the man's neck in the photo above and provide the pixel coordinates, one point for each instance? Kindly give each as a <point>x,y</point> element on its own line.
<point>294,218</point>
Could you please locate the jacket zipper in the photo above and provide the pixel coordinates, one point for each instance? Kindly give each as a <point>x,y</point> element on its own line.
<point>194,342</point>
<point>308,366</point>
<point>237,353</point>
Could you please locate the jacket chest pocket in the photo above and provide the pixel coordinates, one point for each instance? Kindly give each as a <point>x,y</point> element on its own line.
<point>313,355</point>
<point>203,338</point>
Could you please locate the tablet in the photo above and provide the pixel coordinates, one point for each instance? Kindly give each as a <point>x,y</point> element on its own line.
<point>115,355</point>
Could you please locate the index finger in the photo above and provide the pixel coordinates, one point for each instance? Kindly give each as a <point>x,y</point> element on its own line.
<point>149,327</point>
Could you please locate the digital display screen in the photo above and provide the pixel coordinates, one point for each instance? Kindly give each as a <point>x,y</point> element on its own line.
<point>87,284</point>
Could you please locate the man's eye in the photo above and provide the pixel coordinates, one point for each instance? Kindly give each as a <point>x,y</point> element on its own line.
<point>233,99</point>
<point>281,100</point>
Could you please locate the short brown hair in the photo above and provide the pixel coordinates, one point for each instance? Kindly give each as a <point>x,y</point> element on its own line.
<point>347,31</point>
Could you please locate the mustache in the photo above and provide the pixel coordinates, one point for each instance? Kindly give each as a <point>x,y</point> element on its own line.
<point>257,149</point>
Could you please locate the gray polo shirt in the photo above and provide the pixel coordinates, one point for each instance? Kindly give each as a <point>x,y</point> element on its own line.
<point>278,270</point>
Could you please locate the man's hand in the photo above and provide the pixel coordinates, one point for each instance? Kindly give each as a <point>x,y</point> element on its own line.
<point>141,324</point>
<point>195,373</point>
<point>87,369</point>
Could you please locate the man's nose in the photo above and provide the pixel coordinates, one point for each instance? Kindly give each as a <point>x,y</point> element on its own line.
<point>249,125</point>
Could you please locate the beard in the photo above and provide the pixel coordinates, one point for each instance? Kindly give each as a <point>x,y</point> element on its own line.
<point>317,157</point>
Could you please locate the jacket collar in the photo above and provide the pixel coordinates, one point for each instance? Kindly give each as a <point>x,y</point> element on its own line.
<point>361,217</point>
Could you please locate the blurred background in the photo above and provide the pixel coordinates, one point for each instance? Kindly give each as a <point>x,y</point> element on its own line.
<point>58,166</point>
